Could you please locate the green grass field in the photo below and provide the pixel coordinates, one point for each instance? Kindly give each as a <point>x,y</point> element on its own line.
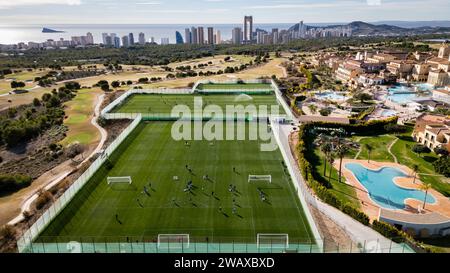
<point>151,155</point>
<point>163,104</point>
<point>227,86</point>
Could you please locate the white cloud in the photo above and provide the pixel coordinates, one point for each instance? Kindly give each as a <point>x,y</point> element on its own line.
<point>5,4</point>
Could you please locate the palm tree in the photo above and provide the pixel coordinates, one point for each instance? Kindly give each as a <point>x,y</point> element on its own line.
<point>326,149</point>
<point>342,150</point>
<point>369,149</point>
<point>425,187</point>
<point>415,170</point>
<point>331,161</point>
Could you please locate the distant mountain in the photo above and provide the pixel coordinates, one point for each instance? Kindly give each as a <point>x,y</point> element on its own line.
<point>48,30</point>
<point>414,24</point>
<point>366,29</point>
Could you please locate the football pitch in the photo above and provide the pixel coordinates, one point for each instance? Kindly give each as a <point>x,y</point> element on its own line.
<point>158,202</point>
<point>164,104</point>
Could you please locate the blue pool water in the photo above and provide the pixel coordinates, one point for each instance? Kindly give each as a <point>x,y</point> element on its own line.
<point>403,94</point>
<point>328,95</point>
<point>388,113</point>
<point>382,189</point>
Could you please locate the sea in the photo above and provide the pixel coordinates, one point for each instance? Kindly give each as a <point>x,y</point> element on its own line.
<point>13,34</point>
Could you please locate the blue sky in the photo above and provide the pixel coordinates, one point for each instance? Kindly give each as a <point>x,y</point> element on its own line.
<point>217,11</point>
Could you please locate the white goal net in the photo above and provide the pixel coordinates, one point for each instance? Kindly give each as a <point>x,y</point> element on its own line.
<point>173,241</point>
<point>119,180</point>
<point>269,241</point>
<point>260,178</point>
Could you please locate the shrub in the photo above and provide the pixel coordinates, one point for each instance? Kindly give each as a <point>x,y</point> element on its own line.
<point>356,214</point>
<point>36,102</point>
<point>74,150</point>
<point>10,183</point>
<point>43,199</point>
<point>442,166</point>
<point>421,149</point>
<point>387,230</point>
<point>325,112</point>
<point>8,232</point>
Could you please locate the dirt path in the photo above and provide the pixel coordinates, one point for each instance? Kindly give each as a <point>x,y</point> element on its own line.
<point>390,152</point>
<point>360,148</point>
<point>14,205</point>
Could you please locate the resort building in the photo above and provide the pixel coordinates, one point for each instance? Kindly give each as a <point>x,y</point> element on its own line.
<point>348,73</point>
<point>420,72</point>
<point>367,80</point>
<point>444,51</point>
<point>442,95</point>
<point>432,131</point>
<point>402,69</point>
<point>421,56</point>
<point>431,105</point>
<point>381,58</point>
<point>438,77</point>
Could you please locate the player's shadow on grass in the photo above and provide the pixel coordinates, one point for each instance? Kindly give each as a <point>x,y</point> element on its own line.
<point>240,216</point>
<point>226,215</point>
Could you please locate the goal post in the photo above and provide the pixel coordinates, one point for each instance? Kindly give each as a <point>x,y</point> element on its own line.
<point>173,241</point>
<point>259,178</point>
<point>272,240</point>
<point>119,180</point>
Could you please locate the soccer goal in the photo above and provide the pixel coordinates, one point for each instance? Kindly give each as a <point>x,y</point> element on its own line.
<point>259,178</point>
<point>173,241</point>
<point>271,241</point>
<point>119,180</point>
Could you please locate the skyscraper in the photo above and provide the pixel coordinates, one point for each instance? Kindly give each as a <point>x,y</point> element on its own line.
<point>142,38</point>
<point>108,41</point>
<point>248,29</point>
<point>104,35</point>
<point>179,38</point>
<point>218,37</point>
<point>116,42</point>
<point>275,35</point>
<point>187,36</point>
<point>201,35</point>
<point>164,41</point>
<point>89,38</point>
<point>125,41</point>
<point>131,39</point>
<point>237,36</point>
<point>210,35</point>
<point>194,35</point>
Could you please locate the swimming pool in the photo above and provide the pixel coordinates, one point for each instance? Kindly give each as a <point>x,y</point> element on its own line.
<point>382,189</point>
<point>403,94</point>
<point>388,113</point>
<point>330,95</point>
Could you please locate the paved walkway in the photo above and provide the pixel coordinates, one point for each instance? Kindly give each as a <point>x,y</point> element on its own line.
<point>368,239</point>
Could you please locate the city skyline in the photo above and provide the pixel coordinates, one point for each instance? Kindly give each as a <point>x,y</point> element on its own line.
<point>217,11</point>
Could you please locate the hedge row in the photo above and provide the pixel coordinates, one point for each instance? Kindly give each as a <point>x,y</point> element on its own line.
<point>388,231</point>
<point>373,127</point>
